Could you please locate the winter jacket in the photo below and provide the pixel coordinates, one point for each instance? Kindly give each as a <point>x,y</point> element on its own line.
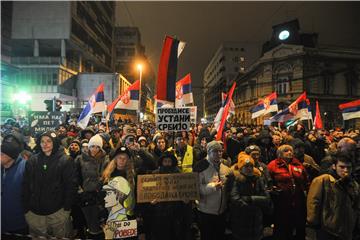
<point>12,211</point>
<point>248,201</point>
<point>334,206</point>
<point>89,170</point>
<point>212,201</point>
<point>199,153</point>
<point>50,183</point>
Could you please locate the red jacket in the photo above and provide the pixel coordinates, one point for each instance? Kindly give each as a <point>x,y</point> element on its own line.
<point>292,181</point>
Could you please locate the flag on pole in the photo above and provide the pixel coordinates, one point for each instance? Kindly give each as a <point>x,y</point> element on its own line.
<point>265,105</point>
<point>232,104</point>
<point>184,93</point>
<point>296,110</point>
<point>96,104</point>
<point>167,72</point>
<point>350,110</point>
<point>162,103</point>
<point>317,121</point>
<point>223,112</point>
<point>128,100</point>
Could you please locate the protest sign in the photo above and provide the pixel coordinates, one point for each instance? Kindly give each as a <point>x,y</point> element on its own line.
<point>173,119</point>
<point>42,121</point>
<point>168,187</point>
<point>120,229</point>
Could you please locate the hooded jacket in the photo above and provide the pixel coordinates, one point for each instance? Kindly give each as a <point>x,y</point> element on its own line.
<point>49,181</point>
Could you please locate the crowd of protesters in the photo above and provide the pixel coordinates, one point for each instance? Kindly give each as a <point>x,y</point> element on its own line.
<point>257,183</point>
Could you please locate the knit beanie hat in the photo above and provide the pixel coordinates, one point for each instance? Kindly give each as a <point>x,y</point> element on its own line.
<point>96,141</point>
<point>244,159</point>
<point>251,149</point>
<point>12,145</point>
<point>213,145</point>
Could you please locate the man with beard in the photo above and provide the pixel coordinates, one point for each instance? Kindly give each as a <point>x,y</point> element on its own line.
<point>167,216</point>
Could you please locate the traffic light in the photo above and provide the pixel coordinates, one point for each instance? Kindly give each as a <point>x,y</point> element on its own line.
<point>49,105</point>
<point>58,105</point>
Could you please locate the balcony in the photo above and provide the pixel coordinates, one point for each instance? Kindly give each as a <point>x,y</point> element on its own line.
<point>36,60</point>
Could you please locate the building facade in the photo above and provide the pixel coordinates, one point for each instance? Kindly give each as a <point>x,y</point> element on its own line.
<point>231,59</point>
<point>327,74</point>
<point>54,41</point>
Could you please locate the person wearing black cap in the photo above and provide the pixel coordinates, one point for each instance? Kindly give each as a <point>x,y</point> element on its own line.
<point>49,188</point>
<point>12,171</point>
<point>167,216</point>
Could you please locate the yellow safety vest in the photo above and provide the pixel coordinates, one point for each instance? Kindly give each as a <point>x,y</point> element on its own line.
<point>186,164</point>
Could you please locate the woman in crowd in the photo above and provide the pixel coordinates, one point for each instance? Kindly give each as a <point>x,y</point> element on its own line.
<point>248,199</point>
<point>290,184</point>
<point>90,165</point>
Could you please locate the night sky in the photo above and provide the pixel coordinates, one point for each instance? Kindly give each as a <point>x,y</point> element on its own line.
<point>204,25</point>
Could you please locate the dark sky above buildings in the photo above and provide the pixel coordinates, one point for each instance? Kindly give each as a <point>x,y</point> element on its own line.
<point>204,25</point>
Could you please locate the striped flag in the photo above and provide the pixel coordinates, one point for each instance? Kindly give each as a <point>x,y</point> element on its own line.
<point>96,104</point>
<point>167,72</point>
<point>184,93</point>
<point>350,110</point>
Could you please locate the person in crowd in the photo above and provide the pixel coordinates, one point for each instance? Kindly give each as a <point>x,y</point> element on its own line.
<point>199,148</point>
<point>74,148</point>
<point>115,140</point>
<point>84,145</point>
<point>167,216</point>
<point>290,185</point>
<point>333,202</point>
<point>183,153</point>
<point>276,143</point>
<point>264,142</point>
<point>142,142</point>
<point>62,134</point>
<point>89,166</point>
<point>311,167</point>
<point>12,172</point>
<point>49,188</point>
<point>72,131</point>
<point>160,148</point>
<point>255,152</point>
<point>315,146</point>
<point>248,199</point>
<point>213,197</point>
<point>87,133</point>
<point>107,147</point>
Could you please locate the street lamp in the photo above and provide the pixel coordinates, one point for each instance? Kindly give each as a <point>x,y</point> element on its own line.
<point>139,68</point>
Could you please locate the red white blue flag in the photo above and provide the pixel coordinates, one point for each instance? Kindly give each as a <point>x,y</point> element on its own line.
<point>128,100</point>
<point>96,104</point>
<point>184,94</point>
<point>265,105</point>
<point>350,110</point>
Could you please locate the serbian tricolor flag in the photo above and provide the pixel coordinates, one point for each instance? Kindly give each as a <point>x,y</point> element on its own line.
<point>167,72</point>
<point>350,110</point>
<point>96,104</point>
<point>299,109</point>
<point>128,100</point>
<point>162,103</point>
<point>221,116</point>
<point>265,105</point>
<point>318,121</point>
<point>184,94</point>
<point>232,105</point>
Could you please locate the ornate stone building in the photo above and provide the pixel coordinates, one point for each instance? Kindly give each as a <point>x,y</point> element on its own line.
<point>290,67</point>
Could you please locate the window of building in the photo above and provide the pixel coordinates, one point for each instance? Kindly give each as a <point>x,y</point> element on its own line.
<point>242,69</point>
<point>242,59</point>
<point>236,59</point>
<point>282,85</point>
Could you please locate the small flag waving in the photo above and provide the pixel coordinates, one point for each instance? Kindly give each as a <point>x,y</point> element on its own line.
<point>184,94</point>
<point>232,105</point>
<point>317,121</point>
<point>224,111</point>
<point>350,110</point>
<point>167,73</point>
<point>128,100</point>
<point>296,110</point>
<point>96,104</point>
<point>265,106</point>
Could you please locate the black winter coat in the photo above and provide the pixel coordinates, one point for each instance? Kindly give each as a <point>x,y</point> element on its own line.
<point>248,201</point>
<point>50,183</point>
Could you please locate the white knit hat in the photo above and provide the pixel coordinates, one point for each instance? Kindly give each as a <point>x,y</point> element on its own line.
<point>96,141</point>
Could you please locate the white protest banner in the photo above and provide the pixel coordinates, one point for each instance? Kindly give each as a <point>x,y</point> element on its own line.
<point>173,119</point>
<point>120,229</point>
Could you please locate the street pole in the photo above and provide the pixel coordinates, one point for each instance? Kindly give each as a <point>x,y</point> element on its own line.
<point>54,104</point>
<point>140,73</point>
